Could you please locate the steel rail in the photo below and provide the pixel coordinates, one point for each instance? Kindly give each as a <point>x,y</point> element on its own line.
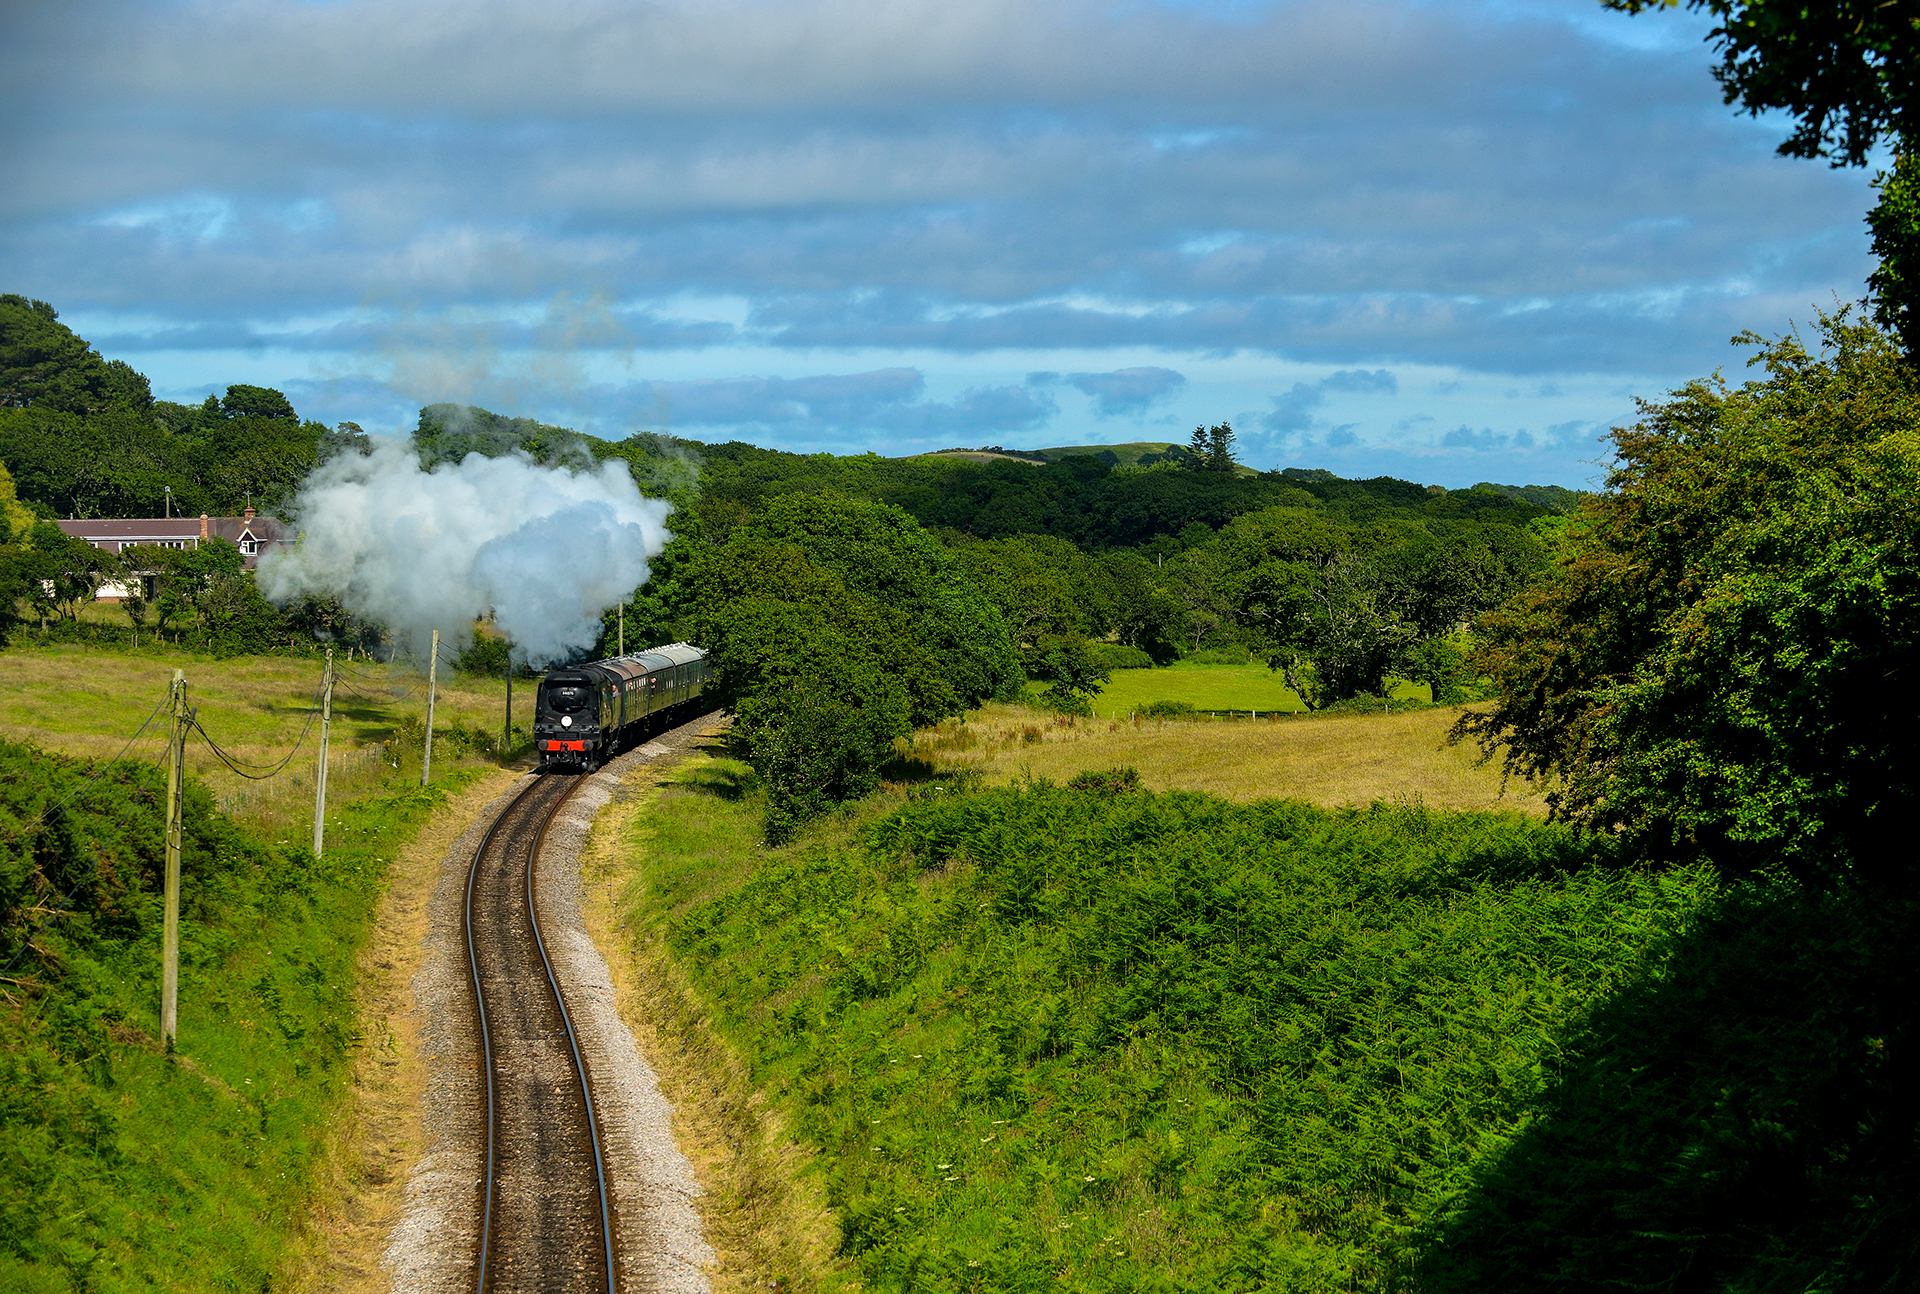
<point>486,1036</point>
<point>573,1041</point>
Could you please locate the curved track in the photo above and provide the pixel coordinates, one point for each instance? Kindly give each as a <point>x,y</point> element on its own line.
<point>546,1220</point>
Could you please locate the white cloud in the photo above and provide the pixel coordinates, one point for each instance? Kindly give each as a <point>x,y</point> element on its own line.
<point>1541,191</point>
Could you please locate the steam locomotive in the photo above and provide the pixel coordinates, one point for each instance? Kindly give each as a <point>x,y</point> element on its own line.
<point>587,714</point>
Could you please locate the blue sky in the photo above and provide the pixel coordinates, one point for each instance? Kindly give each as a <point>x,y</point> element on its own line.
<point>1447,241</point>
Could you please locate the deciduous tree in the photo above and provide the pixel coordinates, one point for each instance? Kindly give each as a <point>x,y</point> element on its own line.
<point>1723,665</point>
<point>1848,73</point>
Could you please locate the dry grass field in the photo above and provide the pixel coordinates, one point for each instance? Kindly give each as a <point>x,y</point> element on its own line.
<point>88,701</point>
<point>1347,759</point>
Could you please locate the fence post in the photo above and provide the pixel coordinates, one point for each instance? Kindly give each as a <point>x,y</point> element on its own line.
<point>320,779</point>
<point>433,664</point>
<point>170,938</point>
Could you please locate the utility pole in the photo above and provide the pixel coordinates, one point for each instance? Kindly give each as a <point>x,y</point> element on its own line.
<point>623,630</point>
<point>433,665</point>
<point>170,939</point>
<point>506,736</point>
<point>320,780</point>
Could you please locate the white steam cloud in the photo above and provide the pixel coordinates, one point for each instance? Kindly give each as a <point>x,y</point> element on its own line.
<point>545,549</point>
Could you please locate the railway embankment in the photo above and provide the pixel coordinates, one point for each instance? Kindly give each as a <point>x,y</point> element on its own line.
<point>122,1166</point>
<point>1085,1033</point>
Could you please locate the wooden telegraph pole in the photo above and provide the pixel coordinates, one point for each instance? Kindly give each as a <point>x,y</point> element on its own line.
<point>506,735</point>
<point>623,631</point>
<point>170,939</point>
<point>433,665</point>
<point>320,779</point>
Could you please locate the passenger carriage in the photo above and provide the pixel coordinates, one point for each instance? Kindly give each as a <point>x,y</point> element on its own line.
<point>587,714</point>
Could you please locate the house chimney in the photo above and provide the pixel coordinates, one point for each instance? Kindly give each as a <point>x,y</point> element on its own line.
<point>203,525</point>
<point>248,515</point>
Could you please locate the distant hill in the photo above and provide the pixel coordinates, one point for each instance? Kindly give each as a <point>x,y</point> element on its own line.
<point>1554,498</point>
<point>1135,453</point>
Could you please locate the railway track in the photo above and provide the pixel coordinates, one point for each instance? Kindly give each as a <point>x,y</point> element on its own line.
<point>546,1215</point>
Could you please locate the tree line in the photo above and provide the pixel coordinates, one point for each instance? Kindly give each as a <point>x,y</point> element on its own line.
<point>841,621</point>
<point>848,598</point>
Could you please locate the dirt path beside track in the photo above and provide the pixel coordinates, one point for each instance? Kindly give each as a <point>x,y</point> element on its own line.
<point>380,1132</point>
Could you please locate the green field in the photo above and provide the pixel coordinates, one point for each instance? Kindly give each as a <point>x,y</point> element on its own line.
<point>1209,687</point>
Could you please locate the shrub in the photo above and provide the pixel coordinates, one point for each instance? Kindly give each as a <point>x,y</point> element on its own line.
<point>1119,656</point>
<point>1114,781</point>
<point>816,750</point>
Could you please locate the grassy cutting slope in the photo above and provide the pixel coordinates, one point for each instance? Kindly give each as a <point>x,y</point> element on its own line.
<point>1044,1037</point>
<point>119,1168</point>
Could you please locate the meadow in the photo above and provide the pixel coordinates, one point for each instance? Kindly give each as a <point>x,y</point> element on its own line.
<point>1209,682</point>
<point>88,701</point>
<point>1326,759</point>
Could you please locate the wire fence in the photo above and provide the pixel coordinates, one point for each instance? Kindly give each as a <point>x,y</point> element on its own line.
<point>283,785</point>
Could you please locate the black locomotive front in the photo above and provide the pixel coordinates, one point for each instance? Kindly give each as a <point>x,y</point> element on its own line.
<point>569,720</point>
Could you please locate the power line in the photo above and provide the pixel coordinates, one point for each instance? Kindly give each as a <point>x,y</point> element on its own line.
<point>100,771</point>
<point>262,771</point>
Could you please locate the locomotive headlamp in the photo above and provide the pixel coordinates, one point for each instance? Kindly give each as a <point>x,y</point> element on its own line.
<point>566,721</point>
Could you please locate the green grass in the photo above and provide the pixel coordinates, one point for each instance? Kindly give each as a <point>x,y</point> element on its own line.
<point>1043,1038</point>
<point>122,1168</point>
<point>1208,686</point>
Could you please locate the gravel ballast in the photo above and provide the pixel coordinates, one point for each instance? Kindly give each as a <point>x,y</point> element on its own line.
<point>660,1240</point>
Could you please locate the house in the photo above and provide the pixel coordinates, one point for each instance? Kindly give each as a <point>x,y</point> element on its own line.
<point>253,533</point>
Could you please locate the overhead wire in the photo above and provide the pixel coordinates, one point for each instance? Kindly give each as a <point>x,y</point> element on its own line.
<point>262,771</point>
<point>99,771</point>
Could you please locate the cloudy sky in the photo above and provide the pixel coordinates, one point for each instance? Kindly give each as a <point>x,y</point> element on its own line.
<point>1448,240</point>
